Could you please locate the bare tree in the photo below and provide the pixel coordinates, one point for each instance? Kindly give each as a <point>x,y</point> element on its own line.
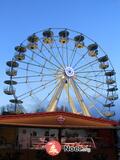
<point>12,109</point>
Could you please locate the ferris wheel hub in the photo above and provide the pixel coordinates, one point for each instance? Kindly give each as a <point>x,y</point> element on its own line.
<point>69,71</point>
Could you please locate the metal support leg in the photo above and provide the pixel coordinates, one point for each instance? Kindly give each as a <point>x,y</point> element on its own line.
<point>56,96</point>
<point>80,100</point>
<point>70,101</point>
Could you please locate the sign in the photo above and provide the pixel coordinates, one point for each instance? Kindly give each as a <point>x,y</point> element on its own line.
<point>78,148</point>
<point>53,148</point>
<point>60,119</point>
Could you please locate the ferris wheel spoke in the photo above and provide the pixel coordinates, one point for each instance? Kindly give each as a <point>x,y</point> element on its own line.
<point>35,92</point>
<point>28,70</point>
<point>33,71</point>
<point>36,88</point>
<point>35,65</point>
<point>27,82</point>
<point>96,75</point>
<point>48,60</point>
<point>96,99</point>
<point>91,88</point>
<point>67,54</point>
<point>59,53</point>
<point>99,111</point>
<point>42,66</point>
<point>58,60</point>
<point>95,71</point>
<point>29,63</point>
<point>93,76</point>
<point>87,64</point>
<point>44,58</point>
<point>88,96</point>
<point>96,87</point>
<point>90,79</point>
<point>40,49</point>
<point>19,77</point>
<point>73,55</point>
<point>31,58</point>
<point>42,69</point>
<point>52,55</point>
<point>48,94</point>
<point>91,100</point>
<point>80,59</point>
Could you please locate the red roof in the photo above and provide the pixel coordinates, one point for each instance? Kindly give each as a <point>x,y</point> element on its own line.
<point>72,118</point>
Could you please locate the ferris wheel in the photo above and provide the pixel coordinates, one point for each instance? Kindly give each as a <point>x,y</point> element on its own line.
<point>58,68</point>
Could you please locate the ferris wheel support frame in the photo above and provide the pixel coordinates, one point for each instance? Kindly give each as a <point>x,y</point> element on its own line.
<point>72,105</point>
<point>80,99</point>
<point>56,96</point>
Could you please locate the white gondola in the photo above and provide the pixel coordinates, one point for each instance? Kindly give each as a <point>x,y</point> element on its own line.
<point>93,53</point>
<point>11,72</point>
<point>92,50</point>
<point>33,38</point>
<point>16,101</point>
<point>113,97</point>
<point>63,36</point>
<point>110,73</point>
<point>79,44</point>
<point>9,90</point>
<point>48,40</point>
<point>32,46</point>
<point>110,81</point>
<point>20,53</point>
<point>103,59</point>
<point>104,65</point>
<point>47,37</point>
<point>19,56</point>
<point>112,89</point>
<point>12,64</point>
<point>109,114</point>
<point>10,82</point>
<point>20,49</point>
<point>79,41</point>
<point>109,105</point>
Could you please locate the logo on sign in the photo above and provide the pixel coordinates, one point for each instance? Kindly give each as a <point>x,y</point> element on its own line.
<point>60,119</point>
<point>53,148</point>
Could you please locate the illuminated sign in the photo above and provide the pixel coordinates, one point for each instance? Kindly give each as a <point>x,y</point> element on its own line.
<point>78,147</point>
<point>53,148</point>
<point>67,148</point>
